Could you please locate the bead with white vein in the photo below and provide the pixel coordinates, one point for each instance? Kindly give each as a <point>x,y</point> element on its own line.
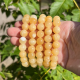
<point>22,40</point>
<point>34,16</point>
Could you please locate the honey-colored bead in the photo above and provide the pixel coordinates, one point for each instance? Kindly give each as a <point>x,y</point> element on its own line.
<point>34,16</point>
<point>48,31</point>
<point>33,21</point>
<point>47,52</point>
<point>54,58</point>
<point>25,64</point>
<point>22,40</point>
<point>27,16</point>
<point>25,26</point>
<point>32,41</point>
<point>39,48</point>
<point>40,64</point>
<point>23,33</point>
<point>22,47</point>
<point>47,58</point>
<point>48,38</point>
<point>40,34</point>
<point>46,64</point>
<point>56,37</point>
<point>48,45</point>
<point>26,19</point>
<point>43,15</point>
<point>32,34</point>
<point>39,60</point>
<point>56,29</point>
<point>41,20</point>
<point>31,55</point>
<point>48,24</point>
<point>34,65</point>
<point>40,41</point>
<point>57,18</point>
<point>56,44</point>
<point>22,54</point>
<point>32,27</point>
<point>49,18</point>
<point>31,49</point>
<point>32,61</point>
<point>24,59</point>
<point>39,54</point>
<point>51,67</point>
<point>56,23</point>
<point>40,26</point>
<point>52,63</point>
<point>55,52</point>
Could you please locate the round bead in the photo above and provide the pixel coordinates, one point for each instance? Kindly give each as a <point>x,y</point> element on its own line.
<point>55,52</point>
<point>32,34</point>
<point>32,41</point>
<point>48,45</point>
<point>25,64</point>
<point>40,41</point>
<point>23,33</point>
<point>32,27</point>
<point>22,54</point>
<point>40,64</point>
<point>33,21</point>
<point>56,23</point>
<point>54,58</point>
<point>47,58</point>
<point>56,37</point>
<point>46,64</point>
<point>27,16</point>
<point>48,31</point>
<point>40,26</point>
<point>24,59</point>
<point>22,47</point>
<point>40,33</point>
<point>34,16</point>
<point>32,61</point>
<point>51,67</point>
<point>34,65</point>
<point>48,24</point>
<point>25,26</point>
<point>56,44</point>
<point>41,20</point>
<point>39,48</point>
<point>31,55</point>
<point>56,29</point>
<point>47,52</point>
<point>43,15</point>
<point>52,63</point>
<point>48,38</point>
<point>39,60</point>
<point>31,49</point>
<point>57,18</point>
<point>22,40</point>
<point>49,18</point>
<point>39,54</point>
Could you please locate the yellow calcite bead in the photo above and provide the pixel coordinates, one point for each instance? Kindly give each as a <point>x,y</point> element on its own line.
<point>40,64</point>
<point>40,26</point>
<point>56,29</point>
<point>32,27</point>
<point>46,64</point>
<point>47,52</point>
<point>25,26</point>
<point>56,37</point>
<point>31,55</point>
<point>52,63</point>
<point>48,38</point>
<point>32,61</point>
<point>25,64</point>
<point>27,16</point>
<point>48,31</point>
<point>31,49</point>
<point>49,18</point>
<point>22,40</point>
<point>48,24</point>
<point>39,54</point>
<point>57,18</point>
<point>56,23</point>
<point>39,48</point>
<point>34,65</point>
<point>40,34</point>
<point>40,41</point>
<point>56,44</point>
<point>22,47</point>
<point>34,16</point>
<point>22,54</point>
<point>33,21</point>
<point>47,58</point>
<point>54,58</point>
<point>55,52</point>
<point>39,60</point>
<point>23,33</point>
<point>32,41</point>
<point>48,45</point>
<point>24,59</point>
<point>43,15</point>
<point>51,67</point>
<point>41,20</point>
<point>32,34</point>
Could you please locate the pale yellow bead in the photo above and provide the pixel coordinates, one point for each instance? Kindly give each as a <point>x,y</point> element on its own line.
<point>55,52</point>
<point>47,52</point>
<point>40,64</point>
<point>56,37</point>
<point>48,45</point>
<point>25,26</point>
<point>56,29</point>
<point>39,48</point>
<point>24,59</point>
<point>54,58</point>
<point>40,26</point>
<point>39,60</point>
<point>25,64</point>
<point>40,41</point>
<point>34,16</point>
<point>39,54</point>
<point>51,67</point>
<point>22,40</point>
<point>43,15</point>
<point>32,61</point>
<point>48,24</point>
<point>32,41</point>
<point>27,16</point>
<point>22,47</point>
<point>49,18</point>
<point>48,38</point>
<point>40,34</point>
<point>56,23</point>
<point>34,65</point>
<point>52,63</point>
<point>23,33</point>
<point>41,20</point>
<point>22,54</point>
<point>56,18</point>
<point>31,49</point>
<point>47,58</point>
<point>32,27</point>
<point>46,64</point>
<point>56,44</point>
<point>31,55</point>
<point>33,21</point>
<point>32,34</point>
<point>48,31</point>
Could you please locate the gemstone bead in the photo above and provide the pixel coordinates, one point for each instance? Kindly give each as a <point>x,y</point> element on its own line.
<point>55,52</point>
<point>54,58</point>
<point>40,64</point>
<point>32,27</point>
<point>56,44</point>
<point>22,47</point>
<point>39,48</point>
<point>48,31</point>
<point>43,15</point>
<point>48,24</point>
<point>46,64</point>
<point>31,55</point>
<point>25,64</point>
<point>48,38</point>
<point>23,33</point>
<point>31,49</point>
<point>56,29</point>
<point>32,41</point>
<point>48,45</point>
<point>39,60</point>
<point>56,37</point>
<point>47,58</point>
<point>40,34</point>
<point>25,26</point>
<point>56,23</point>
<point>33,21</point>
<point>49,18</point>
<point>51,67</point>
<point>34,16</point>
<point>52,63</point>
<point>32,34</point>
<point>47,52</point>
<point>40,26</point>
<point>34,65</point>
<point>32,61</point>
<point>57,18</point>
<point>24,59</point>
<point>41,20</point>
<point>22,54</point>
<point>22,40</point>
<point>39,54</point>
<point>27,16</point>
<point>40,41</point>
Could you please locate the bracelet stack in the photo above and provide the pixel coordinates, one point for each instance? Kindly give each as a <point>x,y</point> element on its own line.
<point>43,41</point>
